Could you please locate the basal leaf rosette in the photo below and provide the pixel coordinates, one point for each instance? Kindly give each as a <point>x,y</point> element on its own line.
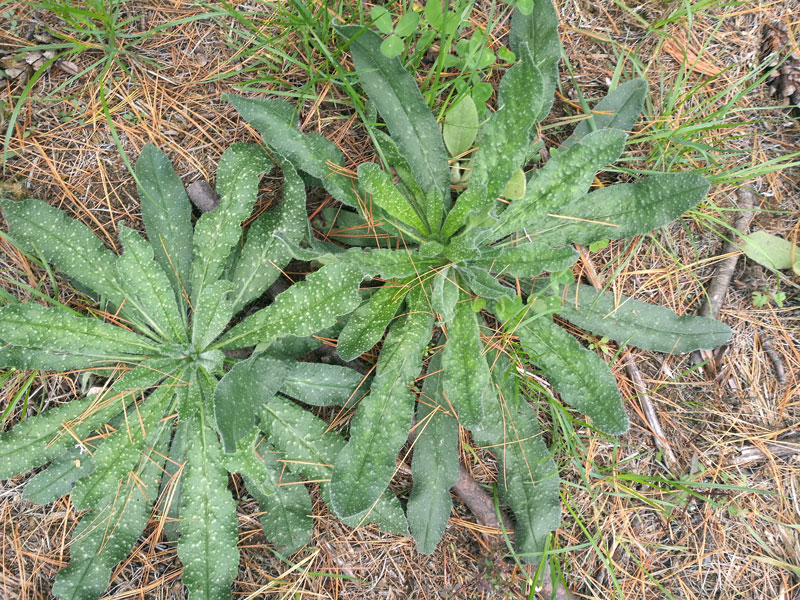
<point>441,254</point>
<point>176,415</point>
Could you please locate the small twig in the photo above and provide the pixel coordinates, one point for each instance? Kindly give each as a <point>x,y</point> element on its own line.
<point>650,414</point>
<point>777,363</point>
<point>722,278</point>
<point>481,504</point>
<point>753,454</point>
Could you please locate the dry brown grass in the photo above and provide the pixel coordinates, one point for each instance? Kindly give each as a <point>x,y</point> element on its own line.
<point>731,534</point>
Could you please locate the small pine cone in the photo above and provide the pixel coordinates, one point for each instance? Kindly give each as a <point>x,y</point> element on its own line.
<point>777,51</point>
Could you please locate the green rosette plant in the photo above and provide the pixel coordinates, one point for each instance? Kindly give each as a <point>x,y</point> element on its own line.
<point>176,415</point>
<point>450,263</point>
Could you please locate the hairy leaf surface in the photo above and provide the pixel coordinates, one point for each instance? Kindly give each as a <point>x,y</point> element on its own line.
<point>207,547</point>
<point>435,463</point>
<point>580,376</point>
<point>166,213</point>
<point>216,232</point>
<point>639,324</point>
<point>618,110</point>
<point>274,120</point>
<point>68,244</point>
<point>367,324</point>
<point>366,465</point>
<point>402,107</point>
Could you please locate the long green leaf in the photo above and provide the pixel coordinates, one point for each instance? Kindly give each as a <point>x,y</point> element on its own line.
<point>623,210</point>
<point>528,475</point>
<point>44,437</point>
<point>564,178</point>
<point>309,449</point>
<point>264,254</point>
<point>216,232</point>
<point>241,391</point>
<point>58,479</point>
<point>303,309</point>
<point>167,215</point>
<point>580,376</point>
<point>147,288</point>
<point>106,535</point>
<point>525,260</point>
<point>274,120</point>
<point>57,331</point>
<point>287,520</point>
<point>171,490</point>
<point>367,324</point>
<point>618,110</point>
<point>646,326</point>
<point>540,30</point>
<point>122,450</point>
<point>466,377</point>
<point>207,547</point>
<point>212,313</point>
<point>390,264</point>
<point>318,384</point>
<point>365,466</point>
<point>503,141</point>
<point>375,181</point>
<point>66,243</point>
<point>435,463</point>
<point>400,103</point>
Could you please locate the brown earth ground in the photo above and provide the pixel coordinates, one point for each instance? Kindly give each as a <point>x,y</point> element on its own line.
<point>720,520</point>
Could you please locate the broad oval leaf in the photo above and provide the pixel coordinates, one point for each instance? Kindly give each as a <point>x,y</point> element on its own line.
<point>460,127</point>
<point>318,384</point>
<point>646,326</point>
